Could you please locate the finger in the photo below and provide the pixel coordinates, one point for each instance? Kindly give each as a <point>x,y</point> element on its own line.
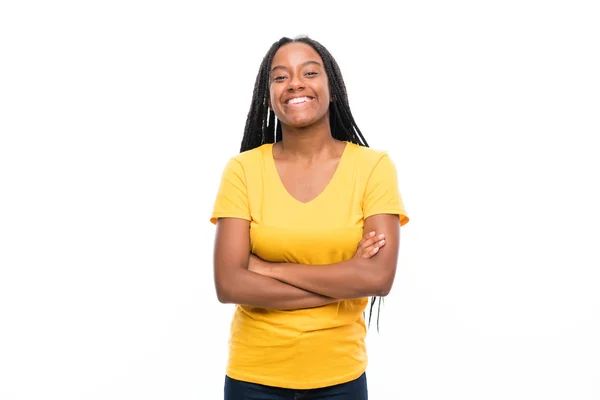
<point>367,243</point>
<point>367,236</point>
<point>370,251</point>
<point>371,241</point>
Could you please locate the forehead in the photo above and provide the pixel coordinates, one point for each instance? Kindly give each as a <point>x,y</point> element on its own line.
<point>296,53</point>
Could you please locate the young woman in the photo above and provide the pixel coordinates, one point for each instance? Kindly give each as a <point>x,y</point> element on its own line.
<point>308,228</point>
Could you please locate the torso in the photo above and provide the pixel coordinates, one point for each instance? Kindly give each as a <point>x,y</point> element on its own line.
<point>313,216</point>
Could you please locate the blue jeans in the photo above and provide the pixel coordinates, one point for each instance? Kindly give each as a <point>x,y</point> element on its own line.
<point>239,390</point>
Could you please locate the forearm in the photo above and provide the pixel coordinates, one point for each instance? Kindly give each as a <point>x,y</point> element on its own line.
<point>354,278</point>
<point>252,289</point>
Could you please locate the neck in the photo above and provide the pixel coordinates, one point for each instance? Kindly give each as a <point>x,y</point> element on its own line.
<point>307,143</point>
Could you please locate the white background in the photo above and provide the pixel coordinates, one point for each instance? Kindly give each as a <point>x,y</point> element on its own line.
<point>117,117</point>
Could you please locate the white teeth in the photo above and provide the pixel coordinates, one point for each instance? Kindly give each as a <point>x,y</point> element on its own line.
<point>298,100</point>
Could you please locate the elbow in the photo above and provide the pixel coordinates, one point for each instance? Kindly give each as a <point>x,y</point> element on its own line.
<point>224,293</point>
<point>228,284</point>
<point>383,283</point>
<point>223,297</point>
<point>381,288</point>
<point>377,278</point>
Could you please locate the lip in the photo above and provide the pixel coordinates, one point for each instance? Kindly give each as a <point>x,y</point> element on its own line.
<point>286,102</point>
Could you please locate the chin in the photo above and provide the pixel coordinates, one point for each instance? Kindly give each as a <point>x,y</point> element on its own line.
<point>304,122</point>
<point>299,123</point>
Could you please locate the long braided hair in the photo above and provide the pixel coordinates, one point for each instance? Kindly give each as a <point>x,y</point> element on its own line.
<point>262,126</point>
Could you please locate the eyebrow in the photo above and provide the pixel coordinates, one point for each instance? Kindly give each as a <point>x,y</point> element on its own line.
<point>304,64</point>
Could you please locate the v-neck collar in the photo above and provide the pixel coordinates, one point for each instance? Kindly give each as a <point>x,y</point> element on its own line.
<point>327,188</point>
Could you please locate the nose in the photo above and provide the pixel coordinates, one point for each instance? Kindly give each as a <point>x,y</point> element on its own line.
<point>295,83</point>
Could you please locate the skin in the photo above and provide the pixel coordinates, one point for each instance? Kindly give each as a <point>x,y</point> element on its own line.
<point>306,159</point>
<point>237,284</point>
<point>308,156</point>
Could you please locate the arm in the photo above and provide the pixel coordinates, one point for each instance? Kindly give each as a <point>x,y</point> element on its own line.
<point>235,284</point>
<point>354,278</point>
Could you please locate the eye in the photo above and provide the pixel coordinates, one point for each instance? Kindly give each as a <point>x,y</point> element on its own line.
<point>279,78</point>
<point>311,73</point>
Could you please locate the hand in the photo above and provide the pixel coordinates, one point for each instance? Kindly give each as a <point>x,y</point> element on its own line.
<point>370,245</point>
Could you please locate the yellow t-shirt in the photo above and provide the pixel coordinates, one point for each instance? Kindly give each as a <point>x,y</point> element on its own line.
<point>317,347</point>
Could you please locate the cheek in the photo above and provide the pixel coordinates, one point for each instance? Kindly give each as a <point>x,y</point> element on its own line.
<point>273,96</point>
<point>325,92</point>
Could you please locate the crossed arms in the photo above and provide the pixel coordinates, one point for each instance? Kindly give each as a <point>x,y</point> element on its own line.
<point>242,278</point>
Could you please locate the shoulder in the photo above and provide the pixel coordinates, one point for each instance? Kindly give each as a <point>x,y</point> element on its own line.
<point>249,159</point>
<point>367,157</point>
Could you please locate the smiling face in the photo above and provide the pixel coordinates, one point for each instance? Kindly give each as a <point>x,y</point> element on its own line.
<point>298,86</point>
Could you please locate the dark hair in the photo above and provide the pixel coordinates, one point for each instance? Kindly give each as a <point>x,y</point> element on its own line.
<point>262,126</point>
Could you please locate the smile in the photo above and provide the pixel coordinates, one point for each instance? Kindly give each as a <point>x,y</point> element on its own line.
<point>299,100</point>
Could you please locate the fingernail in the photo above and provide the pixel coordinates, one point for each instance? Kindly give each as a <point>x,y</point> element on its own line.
<point>376,249</point>
<point>381,236</point>
<point>381,242</point>
<point>371,233</point>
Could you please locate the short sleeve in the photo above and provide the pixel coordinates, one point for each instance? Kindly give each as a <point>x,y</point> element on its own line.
<point>232,196</point>
<point>382,195</point>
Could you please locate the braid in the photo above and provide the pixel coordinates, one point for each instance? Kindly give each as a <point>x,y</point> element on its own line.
<point>260,123</point>
<point>262,126</point>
